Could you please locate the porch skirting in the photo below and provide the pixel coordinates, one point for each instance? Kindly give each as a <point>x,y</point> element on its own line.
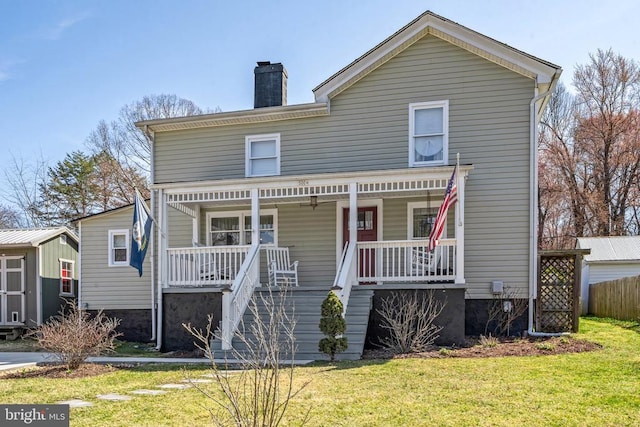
<point>451,319</point>
<point>190,307</point>
<point>135,324</point>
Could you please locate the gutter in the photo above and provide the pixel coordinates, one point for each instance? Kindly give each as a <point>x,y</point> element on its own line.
<point>533,202</point>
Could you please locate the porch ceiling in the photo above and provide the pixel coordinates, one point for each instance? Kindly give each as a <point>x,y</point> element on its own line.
<point>300,188</point>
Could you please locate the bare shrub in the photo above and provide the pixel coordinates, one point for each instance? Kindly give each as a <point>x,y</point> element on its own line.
<point>409,320</point>
<point>259,393</point>
<point>74,335</point>
<point>503,310</point>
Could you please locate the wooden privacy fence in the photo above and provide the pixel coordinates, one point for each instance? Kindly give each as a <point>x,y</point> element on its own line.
<point>619,299</point>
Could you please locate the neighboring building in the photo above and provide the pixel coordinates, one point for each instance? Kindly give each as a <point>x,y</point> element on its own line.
<point>350,184</point>
<point>38,275</point>
<point>611,258</point>
<point>107,281</point>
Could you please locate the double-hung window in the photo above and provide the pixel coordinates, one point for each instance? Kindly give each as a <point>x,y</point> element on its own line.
<point>262,155</point>
<point>118,248</point>
<point>421,217</point>
<point>428,133</point>
<point>234,228</point>
<point>66,277</point>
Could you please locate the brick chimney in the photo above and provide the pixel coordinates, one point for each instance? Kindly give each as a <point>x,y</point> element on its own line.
<point>270,85</point>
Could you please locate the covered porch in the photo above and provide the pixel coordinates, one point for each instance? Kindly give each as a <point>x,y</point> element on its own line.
<point>345,229</point>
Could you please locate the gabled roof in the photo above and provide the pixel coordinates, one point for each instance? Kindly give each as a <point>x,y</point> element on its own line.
<point>609,249</point>
<point>543,72</point>
<point>31,236</point>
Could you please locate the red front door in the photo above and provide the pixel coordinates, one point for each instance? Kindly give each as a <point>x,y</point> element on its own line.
<point>367,232</point>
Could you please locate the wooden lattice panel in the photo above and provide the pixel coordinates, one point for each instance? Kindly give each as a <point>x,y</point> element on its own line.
<point>556,299</point>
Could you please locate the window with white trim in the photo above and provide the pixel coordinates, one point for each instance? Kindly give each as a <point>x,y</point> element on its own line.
<point>118,248</point>
<point>66,277</point>
<point>428,133</point>
<point>225,228</point>
<point>420,219</point>
<point>262,155</point>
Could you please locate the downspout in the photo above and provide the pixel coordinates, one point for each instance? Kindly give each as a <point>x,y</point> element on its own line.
<point>79,265</point>
<point>533,202</point>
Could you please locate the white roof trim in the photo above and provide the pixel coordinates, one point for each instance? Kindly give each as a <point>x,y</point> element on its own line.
<point>257,115</point>
<point>429,23</point>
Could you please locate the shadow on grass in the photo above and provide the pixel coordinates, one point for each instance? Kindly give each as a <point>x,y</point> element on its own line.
<point>626,324</point>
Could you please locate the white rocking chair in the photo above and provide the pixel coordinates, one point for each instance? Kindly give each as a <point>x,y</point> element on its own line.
<point>282,272</point>
<point>423,262</point>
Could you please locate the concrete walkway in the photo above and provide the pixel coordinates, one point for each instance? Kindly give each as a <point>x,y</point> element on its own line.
<point>18,360</point>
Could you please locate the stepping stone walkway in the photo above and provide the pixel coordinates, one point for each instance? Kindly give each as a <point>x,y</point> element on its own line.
<point>113,396</point>
<point>148,392</point>
<point>75,403</point>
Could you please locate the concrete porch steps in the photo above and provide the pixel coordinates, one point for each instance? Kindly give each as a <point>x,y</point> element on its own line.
<point>304,305</point>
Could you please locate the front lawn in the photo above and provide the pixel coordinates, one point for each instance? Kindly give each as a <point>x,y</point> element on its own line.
<point>594,388</point>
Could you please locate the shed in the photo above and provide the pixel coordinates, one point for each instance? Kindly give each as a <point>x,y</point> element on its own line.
<point>610,258</point>
<point>38,270</point>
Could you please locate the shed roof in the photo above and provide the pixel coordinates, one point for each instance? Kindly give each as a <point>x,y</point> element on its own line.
<point>607,249</point>
<point>31,236</point>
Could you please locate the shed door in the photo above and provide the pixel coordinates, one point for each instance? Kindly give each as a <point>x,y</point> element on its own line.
<point>12,303</point>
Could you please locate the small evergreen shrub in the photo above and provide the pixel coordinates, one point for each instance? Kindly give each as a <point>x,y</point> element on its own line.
<point>333,325</point>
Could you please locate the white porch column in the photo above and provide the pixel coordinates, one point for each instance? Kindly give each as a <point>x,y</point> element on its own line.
<point>255,220</point>
<point>195,225</point>
<point>353,212</point>
<point>459,214</point>
<point>162,240</point>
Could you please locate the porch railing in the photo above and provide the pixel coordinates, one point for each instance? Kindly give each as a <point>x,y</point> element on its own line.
<point>346,275</point>
<point>202,266</point>
<point>406,261</point>
<point>236,299</point>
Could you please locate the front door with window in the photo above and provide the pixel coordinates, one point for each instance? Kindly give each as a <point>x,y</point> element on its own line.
<point>367,232</point>
<point>12,304</point>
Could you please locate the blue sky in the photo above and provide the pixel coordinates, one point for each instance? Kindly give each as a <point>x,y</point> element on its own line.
<point>67,64</point>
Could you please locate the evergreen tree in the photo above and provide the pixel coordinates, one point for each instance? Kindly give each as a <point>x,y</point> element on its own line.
<point>333,325</point>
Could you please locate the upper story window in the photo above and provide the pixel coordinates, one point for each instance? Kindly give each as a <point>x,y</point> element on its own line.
<point>428,133</point>
<point>262,155</point>
<point>118,248</point>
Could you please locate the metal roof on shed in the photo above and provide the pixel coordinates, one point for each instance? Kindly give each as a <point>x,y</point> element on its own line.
<point>31,236</point>
<point>618,248</point>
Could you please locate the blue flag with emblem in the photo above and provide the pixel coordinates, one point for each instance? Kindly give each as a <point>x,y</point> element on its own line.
<point>141,233</point>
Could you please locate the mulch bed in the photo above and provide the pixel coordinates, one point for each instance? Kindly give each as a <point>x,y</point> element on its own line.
<point>530,346</point>
<point>59,371</point>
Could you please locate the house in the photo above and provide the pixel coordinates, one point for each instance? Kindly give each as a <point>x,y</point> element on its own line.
<point>349,186</point>
<point>611,258</point>
<point>107,282</point>
<point>38,271</point>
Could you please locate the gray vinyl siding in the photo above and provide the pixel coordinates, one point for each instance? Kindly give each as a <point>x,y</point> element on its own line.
<point>180,234</point>
<point>368,130</point>
<point>105,287</point>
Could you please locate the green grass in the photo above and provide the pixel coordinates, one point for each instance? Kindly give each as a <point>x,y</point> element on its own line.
<point>600,388</point>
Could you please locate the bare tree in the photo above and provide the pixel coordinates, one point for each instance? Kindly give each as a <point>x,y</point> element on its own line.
<point>589,145</point>
<point>23,191</point>
<point>123,141</point>
<point>9,217</point>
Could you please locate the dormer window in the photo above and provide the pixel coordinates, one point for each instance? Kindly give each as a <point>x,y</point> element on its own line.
<point>262,155</point>
<point>428,133</point>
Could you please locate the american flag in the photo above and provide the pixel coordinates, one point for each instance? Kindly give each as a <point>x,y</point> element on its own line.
<point>450,198</point>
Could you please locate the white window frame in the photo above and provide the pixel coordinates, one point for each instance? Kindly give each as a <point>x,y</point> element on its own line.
<point>444,104</point>
<point>241,215</point>
<point>248,159</point>
<point>411,206</point>
<point>72,264</point>
<point>112,261</point>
